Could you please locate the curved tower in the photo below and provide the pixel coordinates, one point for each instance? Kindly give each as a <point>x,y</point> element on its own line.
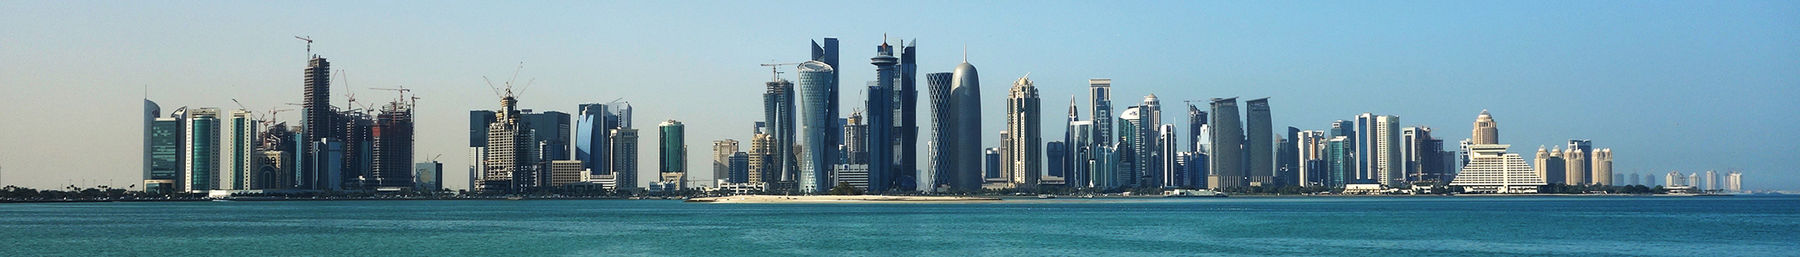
<point>940,155</point>
<point>964,129</point>
<point>820,126</point>
<point>1486,130</point>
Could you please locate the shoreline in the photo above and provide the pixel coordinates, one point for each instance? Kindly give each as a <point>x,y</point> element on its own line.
<point>837,199</point>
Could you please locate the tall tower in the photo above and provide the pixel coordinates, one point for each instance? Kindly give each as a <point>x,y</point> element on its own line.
<point>1100,100</point>
<point>318,115</point>
<point>828,54</point>
<point>167,153</point>
<point>883,173</point>
<point>1024,126</point>
<point>1227,158</point>
<point>942,154</point>
<point>964,129</point>
<point>1260,142</point>
<point>506,161</point>
<point>672,153</point>
<point>241,151</point>
<point>819,122</point>
<point>151,110</point>
<point>1196,120</point>
<point>392,148</point>
<point>202,150</point>
<point>1603,174</point>
<point>1486,130</point>
<point>723,151</point>
<point>1575,166</point>
<point>907,131</point>
<point>782,165</point>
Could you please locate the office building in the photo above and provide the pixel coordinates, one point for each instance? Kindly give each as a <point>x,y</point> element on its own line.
<point>991,164</point>
<point>906,130</point>
<point>1493,170</point>
<point>723,151</point>
<point>565,172</point>
<point>1101,114</point>
<point>1734,181</point>
<point>819,121</point>
<point>1133,148</point>
<point>1378,149</point>
<point>782,164</point>
<point>1078,139</point>
<point>762,147</point>
<point>168,151</point>
<point>1056,155</point>
<point>739,168</point>
<point>593,123</point>
<point>1227,137</point>
<point>1310,147</point>
<point>507,158</point>
<point>1602,166</point>
<point>1169,172</point>
<point>318,116</point>
<point>883,172</point>
<point>1023,156</point>
<point>964,130</point>
<point>241,155</point>
<point>201,150</point>
<point>1259,143</point>
<point>624,152</point>
<point>856,139</point>
<point>672,153</point>
<point>857,175</point>
<point>940,151</point>
<point>1550,166</point>
<point>428,176</point>
<point>391,150</point>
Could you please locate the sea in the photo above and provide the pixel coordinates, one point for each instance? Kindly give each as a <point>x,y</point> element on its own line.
<point>1234,226</point>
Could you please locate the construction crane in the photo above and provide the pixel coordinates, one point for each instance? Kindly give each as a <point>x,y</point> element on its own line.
<point>508,91</point>
<point>403,98</point>
<point>775,69</point>
<point>308,44</point>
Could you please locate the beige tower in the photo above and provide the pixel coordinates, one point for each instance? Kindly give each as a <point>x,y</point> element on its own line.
<point>1486,130</point>
<point>1603,174</point>
<point>1576,163</point>
<point>1542,163</point>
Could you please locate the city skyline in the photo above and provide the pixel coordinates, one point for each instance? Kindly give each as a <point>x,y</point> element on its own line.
<point>258,68</point>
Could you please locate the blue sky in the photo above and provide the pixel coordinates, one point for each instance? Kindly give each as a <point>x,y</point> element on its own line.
<point>1668,85</point>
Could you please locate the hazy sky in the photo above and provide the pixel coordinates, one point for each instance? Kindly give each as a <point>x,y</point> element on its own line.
<point>1668,85</point>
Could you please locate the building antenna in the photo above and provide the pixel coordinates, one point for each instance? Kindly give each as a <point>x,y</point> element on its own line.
<point>965,52</point>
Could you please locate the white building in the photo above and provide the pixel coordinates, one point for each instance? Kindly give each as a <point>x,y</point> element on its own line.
<point>1492,170</point>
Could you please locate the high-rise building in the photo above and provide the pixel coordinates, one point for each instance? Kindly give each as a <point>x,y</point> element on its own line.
<point>1486,130</point>
<point>739,168</point>
<point>1310,150</point>
<point>1287,158</point>
<point>1550,166</point>
<point>1024,119</point>
<point>819,121</point>
<point>1259,142</point>
<point>167,140</point>
<point>672,153</point>
<point>991,163</point>
<point>856,139</point>
<point>1227,139</point>
<point>1493,170</point>
<point>783,164</point>
<point>1575,163</point>
<point>1101,114</point>
<point>479,120</point>
<point>1196,121</point>
<point>723,151</point>
<point>906,130</point>
<point>592,124</point>
<point>1378,149</point>
<point>240,151</point>
<point>1078,139</point>
<point>391,151</point>
<point>428,176</point>
<point>1169,173</point>
<point>151,110</point>
<point>1149,148</point>
<point>1603,174</point>
<point>964,129</point>
<point>1734,181</point>
<point>1132,148</point>
<point>941,153</point>
<point>318,114</point>
<point>1056,154</point>
<point>1710,182</point>
<point>1340,161</point>
<point>1674,179</point>
<point>201,150</point>
<point>624,152</point>
<point>883,171</point>
<point>1587,157</point>
<point>761,157</point>
<point>1422,156</point>
<point>507,163</point>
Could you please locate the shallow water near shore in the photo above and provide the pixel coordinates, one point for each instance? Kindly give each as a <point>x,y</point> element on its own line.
<point>1335,226</point>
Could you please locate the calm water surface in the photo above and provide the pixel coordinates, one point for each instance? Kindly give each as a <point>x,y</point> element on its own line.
<point>1328,226</point>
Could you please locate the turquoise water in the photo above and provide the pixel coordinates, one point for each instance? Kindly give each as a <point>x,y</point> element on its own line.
<point>1331,226</point>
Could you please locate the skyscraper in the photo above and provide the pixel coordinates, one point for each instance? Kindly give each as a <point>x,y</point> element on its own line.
<point>592,124</point>
<point>1603,174</point>
<point>723,151</point>
<point>507,155</point>
<point>1132,148</point>
<point>907,130</point>
<point>1378,149</point>
<point>1550,166</point>
<point>1312,169</point>
<point>990,159</point>
<point>1259,142</point>
<point>1196,121</point>
<point>1227,138</point>
<point>317,114</point>
<point>672,153</point>
<point>201,143</point>
<point>856,139</point>
<point>1057,155</point>
<point>1340,161</point>
<point>941,148</point>
<point>1078,138</point>
<point>1024,119</point>
<point>739,171</point>
<point>817,87</point>
<point>964,129</point>
<point>760,158</point>
<point>479,120</point>
<point>782,165</point>
<point>1486,130</point>
<point>883,173</point>
<point>391,151</point>
<point>1169,173</point>
<point>1287,158</point>
<point>1587,156</point>
<point>624,157</point>
<point>151,110</point>
<point>1100,100</point>
<point>1149,149</point>
<point>827,54</point>
<point>1575,163</point>
<point>240,151</point>
<point>167,153</point>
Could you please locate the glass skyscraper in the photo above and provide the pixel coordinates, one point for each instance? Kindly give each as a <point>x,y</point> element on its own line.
<point>819,125</point>
<point>882,171</point>
<point>1259,143</point>
<point>202,150</point>
<point>1228,157</point>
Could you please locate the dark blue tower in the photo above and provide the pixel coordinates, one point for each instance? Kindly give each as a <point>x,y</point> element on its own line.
<point>882,173</point>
